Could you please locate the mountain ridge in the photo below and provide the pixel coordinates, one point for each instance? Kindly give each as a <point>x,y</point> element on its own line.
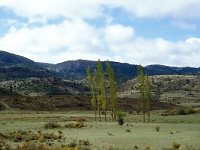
<point>76,69</point>
<point>22,76</point>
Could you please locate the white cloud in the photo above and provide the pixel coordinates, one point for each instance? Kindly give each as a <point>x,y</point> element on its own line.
<point>117,34</point>
<point>37,9</point>
<point>159,8</point>
<point>53,8</point>
<point>76,39</point>
<point>184,25</point>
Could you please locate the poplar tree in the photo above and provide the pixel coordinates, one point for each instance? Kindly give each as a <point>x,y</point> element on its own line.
<point>145,92</point>
<point>112,89</point>
<point>148,96</point>
<point>97,91</point>
<point>91,82</point>
<point>140,72</point>
<point>102,86</point>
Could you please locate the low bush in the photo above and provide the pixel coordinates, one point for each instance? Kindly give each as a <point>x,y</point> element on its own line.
<point>72,144</point>
<point>84,142</point>
<point>176,146</point>
<point>4,145</point>
<point>2,136</point>
<point>31,146</point>
<point>26,136</point>
<point>128,130</point>
<point>120,117</point>
<point>78,119</point>
<point>186,111</point>
<point>52,125</point>
<point>180,111</point>
<point>75,125</point>
<point>113,148</point>
<point>157,128</point>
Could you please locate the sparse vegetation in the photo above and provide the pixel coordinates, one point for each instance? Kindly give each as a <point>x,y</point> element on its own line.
<point>33,131</point>
<point>50,130</point>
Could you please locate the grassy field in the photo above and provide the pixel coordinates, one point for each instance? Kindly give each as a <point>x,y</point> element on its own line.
<point>182,129</point>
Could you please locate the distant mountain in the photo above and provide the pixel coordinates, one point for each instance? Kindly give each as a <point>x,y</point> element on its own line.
<point>166,70</point>
<point>9,59</point>
<point>14,66</point>
<point>76,70</point>
<point>26,77</point>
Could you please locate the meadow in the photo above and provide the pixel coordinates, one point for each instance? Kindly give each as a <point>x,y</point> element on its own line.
<point>78,129</point>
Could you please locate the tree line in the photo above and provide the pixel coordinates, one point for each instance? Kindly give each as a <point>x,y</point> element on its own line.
<point>97,83</point>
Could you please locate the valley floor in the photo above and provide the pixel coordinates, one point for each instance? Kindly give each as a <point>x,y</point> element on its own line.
<point>161,133</point>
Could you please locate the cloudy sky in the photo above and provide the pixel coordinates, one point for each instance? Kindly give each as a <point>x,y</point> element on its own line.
<point>133,31</point>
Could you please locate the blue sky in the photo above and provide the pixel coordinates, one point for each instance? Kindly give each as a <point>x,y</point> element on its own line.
<point>137,32</point>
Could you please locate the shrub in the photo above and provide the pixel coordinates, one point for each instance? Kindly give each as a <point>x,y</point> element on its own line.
<point>148,148</point>
<point>74,125</point>
<point>181,112</point>
<point>186,111</point>
<point>52,125</point>
<point>113,148</point>
<point>20,136</point>
<point>78,119</point>
<point>84,142</point>
<point>72,144</point>
<point>31,146</point>
<point>189,147</point>
<point>136,147</point>
<point>60,132</point>
<point>2,136</point>
<point>4,145</point>
<point>191,111</point>
<point>82,147</point>
<point>157,128</point>
<point>176,146</point>
<point>120,117</point>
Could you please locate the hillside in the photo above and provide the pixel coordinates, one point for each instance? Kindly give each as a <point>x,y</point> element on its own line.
<point>24,76</point>
<point>168,88</point>
<point>15,67</point>
<point>12,65</point>
<point>27,77</point>
<point>76,70</point>
<point>43,86</point>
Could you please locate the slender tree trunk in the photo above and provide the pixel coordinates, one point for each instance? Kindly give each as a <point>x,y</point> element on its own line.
<point>149,113</point>
<point>115,114</point>
<point>105,115</point>
<point>149,116</point>
<point>112,114</point>
<point>95,114</point>
<point>99,110</point>
<point>144,117</point>
<point>144,113</point>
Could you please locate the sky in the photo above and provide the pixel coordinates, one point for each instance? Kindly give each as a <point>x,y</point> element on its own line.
<point>131,31</point>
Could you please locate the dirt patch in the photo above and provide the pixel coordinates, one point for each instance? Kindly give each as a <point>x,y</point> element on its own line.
<point>65,103</point>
